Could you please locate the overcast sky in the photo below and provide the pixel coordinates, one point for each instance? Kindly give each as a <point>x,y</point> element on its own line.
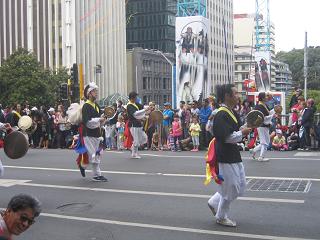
<point>292,18</point>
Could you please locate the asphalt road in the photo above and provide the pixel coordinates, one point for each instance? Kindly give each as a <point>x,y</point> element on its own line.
<point>162,196</point>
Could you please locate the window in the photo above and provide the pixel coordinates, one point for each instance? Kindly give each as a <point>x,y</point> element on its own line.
<point>164,83</point>
<point>144,83</point>
<point>144,99</point>
<point>149,83</point>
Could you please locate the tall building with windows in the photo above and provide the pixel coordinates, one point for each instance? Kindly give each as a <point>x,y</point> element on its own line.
<point>25,24</point>
<point>149,73</point>
<point>100,40</point>
<point>283,78</point>
<point>151,24</point>
<point>63,32</point>
<point>245,48</point>
<point>220,65</point>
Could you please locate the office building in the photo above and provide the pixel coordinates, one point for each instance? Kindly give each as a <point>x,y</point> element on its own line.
<point>150,74</point>
<point>221,55</point>
<point>63,32</point>
<point>151,24</point>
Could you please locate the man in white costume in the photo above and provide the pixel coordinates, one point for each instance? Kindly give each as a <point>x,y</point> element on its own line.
<point>92,122</point>
<point>264,130</point>
<point>226,130</point>
<point>135,114</point>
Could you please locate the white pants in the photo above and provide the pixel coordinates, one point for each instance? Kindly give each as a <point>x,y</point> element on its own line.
<point>139,138</point>
<point>92,144</point>
<point>1,169</point>
<point>264,137</point>
<point>233,186</point>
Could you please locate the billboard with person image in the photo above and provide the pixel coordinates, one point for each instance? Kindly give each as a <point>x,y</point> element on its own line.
<point>192,50</point>
<point>262,71</point>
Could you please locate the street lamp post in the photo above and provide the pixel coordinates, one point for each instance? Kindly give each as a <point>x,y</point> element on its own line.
<point>173,77</point>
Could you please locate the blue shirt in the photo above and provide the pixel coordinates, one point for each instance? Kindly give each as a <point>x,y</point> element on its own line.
<point>168,112</point>
<point>204,114</point>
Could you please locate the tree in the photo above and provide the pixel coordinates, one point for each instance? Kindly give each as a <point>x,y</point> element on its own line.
<point>22,78</point>
<point>295,59</point>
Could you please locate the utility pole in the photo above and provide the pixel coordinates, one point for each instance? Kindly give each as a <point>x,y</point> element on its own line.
<point>305,68</point>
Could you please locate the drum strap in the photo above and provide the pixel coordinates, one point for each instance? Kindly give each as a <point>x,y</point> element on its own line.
<point>229,112</point>
<point>262,104</point>
<point>135,105</point>
<point>93,105</point>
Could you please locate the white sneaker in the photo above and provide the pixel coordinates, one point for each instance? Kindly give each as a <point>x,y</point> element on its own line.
<point>253,154</point>
<point>262,159</point>
<point>135,156</point>
<point>226,222</point>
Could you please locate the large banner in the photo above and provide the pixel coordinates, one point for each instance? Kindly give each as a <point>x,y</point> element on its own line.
<point>262,71</point>
<point>192,50</point>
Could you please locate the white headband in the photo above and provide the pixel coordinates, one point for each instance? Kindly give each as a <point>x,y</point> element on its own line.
<point>92,86</point>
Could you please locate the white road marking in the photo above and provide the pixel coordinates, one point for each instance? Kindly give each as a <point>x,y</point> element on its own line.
<point>11,182</point>
<point>287,158</point>
<point>185,195</point>
<point>154,174</point>
<point>307,154</point>
<point>170,156</point>
<point>170,228</point>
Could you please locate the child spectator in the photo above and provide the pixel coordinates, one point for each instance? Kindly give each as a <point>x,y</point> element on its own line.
<point>155,142</point>
<point>107,132</point>
<point>177,132</point>
<point>120,125</point>
<point>279,141</point>
<point>170,141</point>
<point>195,132</point>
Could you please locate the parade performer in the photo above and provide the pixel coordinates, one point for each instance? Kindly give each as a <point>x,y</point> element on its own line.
<point>263,131</point>
<point>135,114</point>
<point>91,123</point>
<point>3,126</point>
<point>232,181</point>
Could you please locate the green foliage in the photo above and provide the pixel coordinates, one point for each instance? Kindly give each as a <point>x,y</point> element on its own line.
<point>314,94</point>
<point>22,78</point>
<point>295,59</point>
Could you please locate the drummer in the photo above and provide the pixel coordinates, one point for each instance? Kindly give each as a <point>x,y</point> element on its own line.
<point>264,130</point>
<point>14,116</point>
<point>3,126</point>
<point>136,113</point>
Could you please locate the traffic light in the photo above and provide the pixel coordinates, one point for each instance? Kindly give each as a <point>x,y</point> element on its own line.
<point>63,91</point>
<point>74,74</point>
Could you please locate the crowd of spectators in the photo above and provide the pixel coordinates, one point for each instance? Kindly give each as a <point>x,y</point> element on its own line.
<point>187,128</point>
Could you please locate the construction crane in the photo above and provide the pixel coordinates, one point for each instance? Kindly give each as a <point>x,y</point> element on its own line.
<point>191,8</point>
<point>262,29</point>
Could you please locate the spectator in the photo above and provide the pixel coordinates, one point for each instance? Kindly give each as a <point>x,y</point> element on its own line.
<point>194,108</point>
<point>245,109</point>
<point>177,132</point>
<point>306,124</point>
<point>167,121</point>
<point>279,141</point>
<point>155,142</point>
<point>195,130</point>
<point>120,133</point>
<point>295,96</point>
<point>204,115</point>
<point>150,127</point>
<point>19,215</point>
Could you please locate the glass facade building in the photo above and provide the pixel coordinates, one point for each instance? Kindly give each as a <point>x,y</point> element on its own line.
<point>151,24</point>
